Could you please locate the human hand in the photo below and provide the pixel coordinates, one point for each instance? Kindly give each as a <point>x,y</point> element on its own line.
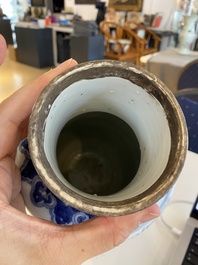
<point>26,239</point>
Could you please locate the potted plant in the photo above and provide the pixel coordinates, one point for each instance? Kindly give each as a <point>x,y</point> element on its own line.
<point>41,18</point>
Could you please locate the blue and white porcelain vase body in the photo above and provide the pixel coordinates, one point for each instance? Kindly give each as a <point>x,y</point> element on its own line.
<point>188,34</point>
<point>42,203</point>
<point>39,200</point>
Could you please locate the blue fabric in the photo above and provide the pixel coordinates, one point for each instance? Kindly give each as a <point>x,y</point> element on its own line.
<point>189,105</point>
<point>189,78</point>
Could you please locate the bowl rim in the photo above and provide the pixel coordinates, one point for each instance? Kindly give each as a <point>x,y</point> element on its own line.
<point>153,86</point>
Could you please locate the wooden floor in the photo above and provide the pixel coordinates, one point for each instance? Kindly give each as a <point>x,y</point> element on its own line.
<point>14,75</point>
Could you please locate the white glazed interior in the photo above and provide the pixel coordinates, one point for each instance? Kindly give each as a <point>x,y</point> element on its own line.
<point>127,101</point>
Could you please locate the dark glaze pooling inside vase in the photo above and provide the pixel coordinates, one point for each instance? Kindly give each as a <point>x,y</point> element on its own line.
<point>98,153</point>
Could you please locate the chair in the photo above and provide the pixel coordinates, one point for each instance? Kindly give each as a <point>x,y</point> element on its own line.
<point>188,100</point>
<point>121,43</point>
<point>150,40</point>
<point>135,21</point>
<point>188,76</point>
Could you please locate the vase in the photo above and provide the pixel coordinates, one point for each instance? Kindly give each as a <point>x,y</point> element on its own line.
<point>105,138</point>
<point>188,34</point>
<point>44,204</point>
<point>41,22</point>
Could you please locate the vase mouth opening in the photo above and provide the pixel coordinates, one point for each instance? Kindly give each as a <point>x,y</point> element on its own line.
<point>130,103</point>
<point>124,104</point>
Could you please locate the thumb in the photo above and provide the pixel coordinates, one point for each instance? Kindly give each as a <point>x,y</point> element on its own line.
<point>101,234</point>
<point>2,49</point>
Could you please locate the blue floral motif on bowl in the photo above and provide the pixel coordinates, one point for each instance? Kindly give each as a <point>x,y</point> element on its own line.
<point>40,196</point>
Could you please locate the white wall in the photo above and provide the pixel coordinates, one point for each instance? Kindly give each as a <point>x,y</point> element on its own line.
<point>166,7</point>
<point>89,12</point>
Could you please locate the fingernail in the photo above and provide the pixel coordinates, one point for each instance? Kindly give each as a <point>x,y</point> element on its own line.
<point>148,217</point>
<point>67,63</point>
